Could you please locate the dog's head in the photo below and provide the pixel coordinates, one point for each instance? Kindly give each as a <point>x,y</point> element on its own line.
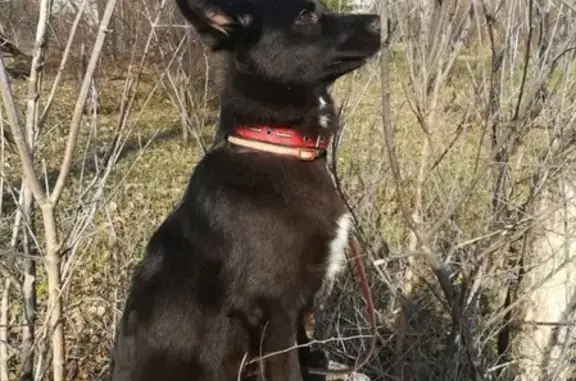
<point>285,41</point>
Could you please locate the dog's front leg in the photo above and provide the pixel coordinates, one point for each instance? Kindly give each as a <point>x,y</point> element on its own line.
<point>279,338</point>
<point>309,358</point>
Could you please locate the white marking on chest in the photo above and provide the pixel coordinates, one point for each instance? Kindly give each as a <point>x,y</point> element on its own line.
<point>323,119</point>
<point>338,245</point>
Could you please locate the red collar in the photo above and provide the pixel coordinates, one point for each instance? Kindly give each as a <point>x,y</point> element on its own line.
<point>280,140</point>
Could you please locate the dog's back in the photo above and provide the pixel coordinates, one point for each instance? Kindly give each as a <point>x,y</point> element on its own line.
<point>257,235</point>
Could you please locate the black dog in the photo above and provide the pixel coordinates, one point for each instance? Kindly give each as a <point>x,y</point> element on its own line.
<point>261,231</point>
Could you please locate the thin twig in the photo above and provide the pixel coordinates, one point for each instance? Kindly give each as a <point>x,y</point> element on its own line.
<point>4,270</point>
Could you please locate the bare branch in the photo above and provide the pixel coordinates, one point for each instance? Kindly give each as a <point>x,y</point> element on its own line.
<point>81,101</point>
<point>63,62</point>
<point>18,136</point>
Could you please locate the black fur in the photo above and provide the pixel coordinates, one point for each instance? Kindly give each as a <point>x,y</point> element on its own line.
<point>232,268</point>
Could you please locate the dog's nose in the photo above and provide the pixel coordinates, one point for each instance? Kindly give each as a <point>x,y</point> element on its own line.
<point>374,24</point>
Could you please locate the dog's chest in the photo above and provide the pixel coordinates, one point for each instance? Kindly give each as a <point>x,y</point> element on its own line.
<point>335,258</point>
<point>337,247</point>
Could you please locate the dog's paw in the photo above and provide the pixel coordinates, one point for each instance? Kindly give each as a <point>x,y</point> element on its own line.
<point>316,359</point>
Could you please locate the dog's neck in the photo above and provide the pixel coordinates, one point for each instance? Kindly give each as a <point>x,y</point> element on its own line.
<point>251,100</point>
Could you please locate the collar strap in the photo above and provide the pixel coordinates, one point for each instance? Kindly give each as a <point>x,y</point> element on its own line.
<point>280,140</point>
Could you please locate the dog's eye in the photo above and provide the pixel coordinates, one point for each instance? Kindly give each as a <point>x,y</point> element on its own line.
<point>306,17</point>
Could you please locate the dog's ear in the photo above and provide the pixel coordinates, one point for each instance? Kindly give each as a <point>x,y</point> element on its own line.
<point>218,22</point>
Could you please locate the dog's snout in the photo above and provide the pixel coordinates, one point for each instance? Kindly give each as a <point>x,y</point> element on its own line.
<point>374,24</point>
